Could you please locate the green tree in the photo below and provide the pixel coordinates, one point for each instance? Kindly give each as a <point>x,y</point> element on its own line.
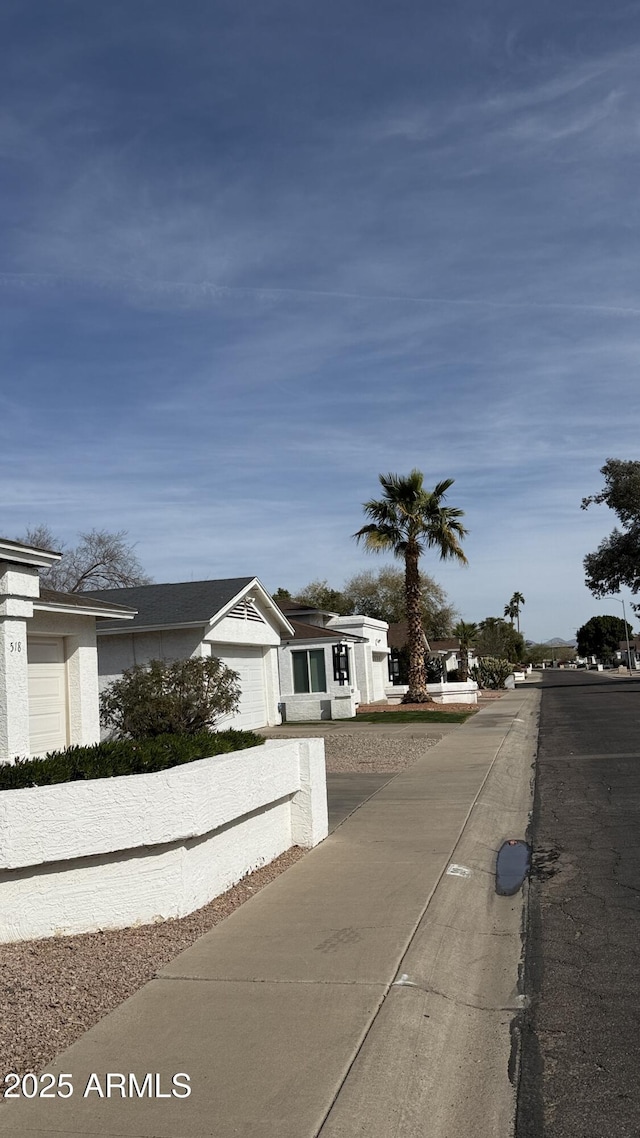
<point>467,633</point>
<point>320,595</point>
<point>536,653</point>
<point>601,636</point>
<point>381,595</point>
<point>100,560</point>
<point>282,595</point>
<point>616,561</point>
<point>499,639</point>
<point>407,521</point>
<point>160,698</point>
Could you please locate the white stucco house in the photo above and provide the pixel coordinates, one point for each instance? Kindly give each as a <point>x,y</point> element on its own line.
<point>331,663</point>
<point>234,619</point>
<point>48,657</point>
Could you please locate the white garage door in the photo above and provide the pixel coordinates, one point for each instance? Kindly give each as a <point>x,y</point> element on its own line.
<point>47,694</point>
<point>249,663</point>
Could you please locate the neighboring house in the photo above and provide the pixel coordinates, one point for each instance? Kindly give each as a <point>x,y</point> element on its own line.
<point>622,654</point>
<point>48,657</point>
<point>331,663</point>
<point>446,650</point>
<point>234,619</point>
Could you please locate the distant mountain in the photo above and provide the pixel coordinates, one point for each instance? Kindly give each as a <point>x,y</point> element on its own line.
<point>558,643</point>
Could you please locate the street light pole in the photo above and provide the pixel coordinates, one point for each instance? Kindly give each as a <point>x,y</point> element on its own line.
<point>620,601</point>
<point>626,632</point>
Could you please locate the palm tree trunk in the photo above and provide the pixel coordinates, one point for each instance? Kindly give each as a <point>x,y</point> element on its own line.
<point>464,661</point>
<point>417,692</point>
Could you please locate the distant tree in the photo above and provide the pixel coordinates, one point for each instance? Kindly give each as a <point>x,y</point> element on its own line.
<point>512,609</point>
<point>320,595</point>
<point>381,595</point>
<point>601,636</point>
<point>536,653</point>
<point>616,561</point>
<point>101,560</point>
<point>282,595</point>
<point>467,633</point>
<point>517,601</point>
<point>407,521</point>
<point>499,639</point>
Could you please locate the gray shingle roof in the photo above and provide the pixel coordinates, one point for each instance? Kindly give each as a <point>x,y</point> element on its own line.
<point>23,545</point>
<point>184,602</point>
<point>293,606</point>
<point>314,632</point>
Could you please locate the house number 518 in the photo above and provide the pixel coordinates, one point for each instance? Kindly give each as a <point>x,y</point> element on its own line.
<point>16,646</point>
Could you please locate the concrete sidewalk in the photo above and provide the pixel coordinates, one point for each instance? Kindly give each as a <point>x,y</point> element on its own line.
<point>340,999</point>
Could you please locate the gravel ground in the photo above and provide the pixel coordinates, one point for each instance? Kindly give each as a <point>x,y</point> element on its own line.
<point>52,991</point>
<point>374,754</point>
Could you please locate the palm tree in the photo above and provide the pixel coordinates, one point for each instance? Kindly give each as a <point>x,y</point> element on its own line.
<point>406,521</point>
<point>511,610</point>
<point>466,632</point>
<point>516,602</point>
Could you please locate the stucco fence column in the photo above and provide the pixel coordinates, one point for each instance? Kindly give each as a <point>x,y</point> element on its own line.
<point>18,585</point>
<point>14,686</point>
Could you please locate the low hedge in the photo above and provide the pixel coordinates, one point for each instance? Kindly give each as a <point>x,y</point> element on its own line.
<point>122,756</point>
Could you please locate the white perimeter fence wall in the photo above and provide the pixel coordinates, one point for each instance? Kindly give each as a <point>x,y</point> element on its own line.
<point>113,852</point>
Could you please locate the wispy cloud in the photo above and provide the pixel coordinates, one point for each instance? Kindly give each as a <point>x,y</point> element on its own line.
<point>244,273</point>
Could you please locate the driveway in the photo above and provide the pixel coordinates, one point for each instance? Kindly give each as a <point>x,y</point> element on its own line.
<point>347,792</point>
<point>391,745</point>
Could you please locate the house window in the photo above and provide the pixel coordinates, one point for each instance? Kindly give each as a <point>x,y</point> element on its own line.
<point>308,671</point>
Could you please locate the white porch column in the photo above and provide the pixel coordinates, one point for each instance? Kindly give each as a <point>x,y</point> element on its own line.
<point>18,585</point>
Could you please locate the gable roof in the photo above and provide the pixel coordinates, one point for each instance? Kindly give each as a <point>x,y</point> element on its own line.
<point>182,603</point>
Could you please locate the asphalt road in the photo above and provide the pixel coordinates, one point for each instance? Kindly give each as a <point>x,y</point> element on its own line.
<point>580,1054</point>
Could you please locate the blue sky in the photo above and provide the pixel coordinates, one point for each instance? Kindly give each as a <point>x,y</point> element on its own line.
<point>254,255</point>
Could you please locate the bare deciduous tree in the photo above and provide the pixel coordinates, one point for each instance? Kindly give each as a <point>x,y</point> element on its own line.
<point>100,560</point>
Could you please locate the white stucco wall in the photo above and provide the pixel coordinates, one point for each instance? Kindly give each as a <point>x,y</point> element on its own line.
<point>440,693</point>
<point>118,651</point>
<point>371,658</point>
<point>108,853</point>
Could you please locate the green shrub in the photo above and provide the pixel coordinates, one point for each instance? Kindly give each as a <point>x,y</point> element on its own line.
<point>122,756</point>
<point>169,698</point>
<point>491,673</point>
